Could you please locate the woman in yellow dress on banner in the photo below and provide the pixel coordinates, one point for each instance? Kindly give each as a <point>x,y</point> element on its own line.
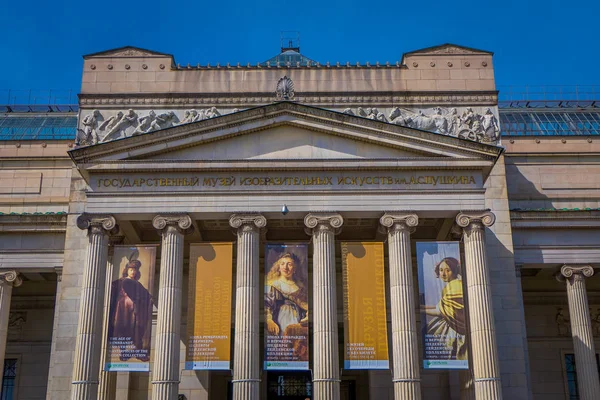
<point>286,303</point>
<point>449,313</point>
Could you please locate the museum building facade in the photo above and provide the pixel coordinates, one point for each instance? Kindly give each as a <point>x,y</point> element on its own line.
<point>170,160</point>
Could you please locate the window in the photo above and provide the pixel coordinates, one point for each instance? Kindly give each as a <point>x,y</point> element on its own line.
<point>572,375</point>
<point>8,379</point>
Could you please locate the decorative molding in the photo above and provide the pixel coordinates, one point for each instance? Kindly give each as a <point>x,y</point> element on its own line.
<point>555,219</point>
<point>106,224</point>
<point>127,51</point>
<point>447,49</point>
<point>285,89</point>
<point>243,100</point>
<point>33,223</point>
<point>181,222</point>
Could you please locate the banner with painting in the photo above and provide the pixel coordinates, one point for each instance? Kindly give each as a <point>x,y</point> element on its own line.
<point>130,308</point>
<point>443,316</point>
<point>209,307</point>
<point>286,306</point>
<point>365,322</point>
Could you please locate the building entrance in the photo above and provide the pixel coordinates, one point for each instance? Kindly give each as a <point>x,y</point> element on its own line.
<point>289,385</point>
<point>298,386</point>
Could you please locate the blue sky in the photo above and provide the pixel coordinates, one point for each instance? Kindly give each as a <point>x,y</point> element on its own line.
<point>535,42</point>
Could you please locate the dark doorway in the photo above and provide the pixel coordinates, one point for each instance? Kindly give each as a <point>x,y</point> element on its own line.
<point>289,385</point>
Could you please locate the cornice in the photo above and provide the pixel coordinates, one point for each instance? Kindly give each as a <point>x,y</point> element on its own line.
<point>409,163</point>
<point>33,223</point>
<point>381,99</point>
<point>304,192</point>
<point>555,219</point>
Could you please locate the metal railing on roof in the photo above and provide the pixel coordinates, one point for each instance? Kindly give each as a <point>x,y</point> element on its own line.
<point>549,96</point>
<point>38,96</point>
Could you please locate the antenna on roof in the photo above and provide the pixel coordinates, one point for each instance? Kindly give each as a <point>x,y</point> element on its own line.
<point>290,41</point>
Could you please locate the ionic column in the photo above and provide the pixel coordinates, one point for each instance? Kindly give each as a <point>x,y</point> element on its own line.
<point>246,357</point>
<point>88,345</point>
<point>326,371</point>
<point>108,380</point>
<point>165,377</point>
<point>486,370</point>
<point>8,280</point>
<point>407,379</point>
<point>581,327</point>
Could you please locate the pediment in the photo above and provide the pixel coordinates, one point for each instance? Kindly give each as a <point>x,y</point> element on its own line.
<point>127,51</point>
<point>285,132</point>
<point>285,142</point>
<point>448,49</point>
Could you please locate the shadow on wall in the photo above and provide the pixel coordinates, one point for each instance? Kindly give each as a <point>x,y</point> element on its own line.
<point>522,193</point>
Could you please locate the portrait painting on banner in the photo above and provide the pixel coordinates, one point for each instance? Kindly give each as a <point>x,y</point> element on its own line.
<point>130,313</point>
<point>286,306</point>
<point>443,317</point>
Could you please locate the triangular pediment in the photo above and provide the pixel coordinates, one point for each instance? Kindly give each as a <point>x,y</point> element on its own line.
<point>127,51</point>
<point>288,133</point>
<point>448,49</point>
<point>287,141</point>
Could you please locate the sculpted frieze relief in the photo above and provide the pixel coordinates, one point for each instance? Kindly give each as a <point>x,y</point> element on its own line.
<point>105,126</point>
<point>480,126</point>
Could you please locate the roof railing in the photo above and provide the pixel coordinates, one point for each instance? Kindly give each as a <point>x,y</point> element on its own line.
<point>549,93</point>
<point>34,97</point>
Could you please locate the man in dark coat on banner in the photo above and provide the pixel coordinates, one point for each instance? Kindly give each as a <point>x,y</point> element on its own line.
<point>130,316</point>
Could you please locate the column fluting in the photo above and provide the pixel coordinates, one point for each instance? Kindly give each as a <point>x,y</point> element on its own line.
<point>246,364</point>
<point>165,377</point>
<point>406,379</point>
<point>86,363</point>
<point>108,380</point>
<point>486,370</point>
<point>588,384</point>
<point>326,371</point>
<point>8,280</point>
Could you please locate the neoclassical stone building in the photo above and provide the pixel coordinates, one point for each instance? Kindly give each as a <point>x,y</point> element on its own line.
<point>292,150</point>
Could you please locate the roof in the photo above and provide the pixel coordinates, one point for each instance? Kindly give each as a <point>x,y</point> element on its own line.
<point>29,126</point>
<point>548,121</point>
<point>289,57</point>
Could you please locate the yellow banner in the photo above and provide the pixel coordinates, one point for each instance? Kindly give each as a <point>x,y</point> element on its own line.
<point>365,325</point>
<point>209,306</point>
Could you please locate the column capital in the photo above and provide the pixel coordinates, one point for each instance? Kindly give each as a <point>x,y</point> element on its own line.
<point>11,278</point>
<point>575,273</point>
<point>99,224</point>
<point>251,221</point>
<point>399,221</point>
<point>180,222</point>
<point>469,220</point>
<point>323,221</point>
